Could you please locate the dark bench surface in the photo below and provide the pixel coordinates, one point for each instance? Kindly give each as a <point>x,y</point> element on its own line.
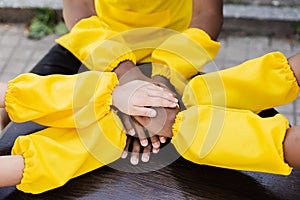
<point>180,180</point>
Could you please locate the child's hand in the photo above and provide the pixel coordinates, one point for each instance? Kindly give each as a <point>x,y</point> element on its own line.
<point>160,125</point>
<point>134,98</point>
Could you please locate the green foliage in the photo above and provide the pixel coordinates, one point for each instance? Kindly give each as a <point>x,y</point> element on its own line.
<point>45,23</point>
<point>61,28</point>
<point>297,30</point>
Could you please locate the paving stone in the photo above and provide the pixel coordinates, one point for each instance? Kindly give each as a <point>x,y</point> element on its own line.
<point>5,51</point>
<point>236,49</point>
<point>5,77</point>
<point>15,66</point>
<point>280,44</point>
<point>21,53</point>
<point>258,46</point>
<point>266,2</point>
<point>2,64</point>
<point>262,12</point>
<point>55,4</point>
<point>10,40</point>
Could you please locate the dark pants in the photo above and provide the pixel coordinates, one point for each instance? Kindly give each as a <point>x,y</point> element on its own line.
<point>58,61</point>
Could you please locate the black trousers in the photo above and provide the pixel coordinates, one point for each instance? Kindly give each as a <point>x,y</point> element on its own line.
<point>58,61</point>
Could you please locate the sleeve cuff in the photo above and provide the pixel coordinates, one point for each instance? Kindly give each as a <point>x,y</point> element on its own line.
<point>183,55</point>
<point>108,55</point>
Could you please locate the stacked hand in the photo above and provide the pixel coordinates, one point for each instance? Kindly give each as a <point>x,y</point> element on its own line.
<point>145,105</point>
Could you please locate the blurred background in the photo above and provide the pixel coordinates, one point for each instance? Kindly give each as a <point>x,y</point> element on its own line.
<point>28,29</point>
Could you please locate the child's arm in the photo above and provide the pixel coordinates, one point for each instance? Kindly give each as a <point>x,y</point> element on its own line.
<point>208,16</point>
<point>78,100</point>
<point>11,170</point>
<point>75,10</point>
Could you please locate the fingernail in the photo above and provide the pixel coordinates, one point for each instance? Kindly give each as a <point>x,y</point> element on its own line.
<point>124,154</point>
<point>152,113</point>
<point>144,142</point>
<point>155,150</point>
<point>134,160</point>
<point>131,132</point>
<point>156,144</point>
<point>145,158</point>
<point>162,139</point>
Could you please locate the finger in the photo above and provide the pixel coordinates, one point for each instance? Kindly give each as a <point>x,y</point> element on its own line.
<point>158,102</point>
<point>155,141</point>
<point>141,134</point>
<point>143,111</point>
<point>146,153</point>
<point>155,150</point>
<point>162,90</point>
<point>125,151</point>
<point>127,123</point>
<point>155,101</point>
<point>162,139</point>
<point>163,94</point>
<point>135,152</point>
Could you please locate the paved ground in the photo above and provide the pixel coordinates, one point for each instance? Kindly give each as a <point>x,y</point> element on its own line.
<point>19,54</point>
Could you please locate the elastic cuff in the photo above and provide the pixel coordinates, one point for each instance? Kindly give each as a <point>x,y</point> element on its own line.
<point>160,70</point>
<point>176,125</point>
<point>126,57</point>
<point>105,100</point>
<point>10,98</point>
<point>199,36</point>
<point>23,146</point>
<point>108,55</point>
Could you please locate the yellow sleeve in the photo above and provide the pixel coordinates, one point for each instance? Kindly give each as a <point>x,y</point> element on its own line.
<point>257,84</point>
<point>60,100</point>
<point>97,46</point>
<point>53,156</point>
<point>231,138</point>
<point>183,55</point>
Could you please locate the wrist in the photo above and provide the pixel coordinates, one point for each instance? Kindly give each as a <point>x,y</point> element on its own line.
<point>123,68</point>
<point>127,71</point>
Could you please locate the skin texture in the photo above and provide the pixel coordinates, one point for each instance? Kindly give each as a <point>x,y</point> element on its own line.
<point>208,16</point>
<point>75,10</point>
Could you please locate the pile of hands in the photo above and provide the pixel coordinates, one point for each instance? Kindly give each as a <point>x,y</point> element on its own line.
<point>147,108</point>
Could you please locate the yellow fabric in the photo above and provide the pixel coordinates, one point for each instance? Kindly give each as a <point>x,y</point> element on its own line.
<point>95,46</point>
<point>231,138</point>
<point>115,17</point>
<point>175,15</point>
<point>55,155</point>
<point>220,126</point>
<point>255,85</point>
<point>84,135</point>
<point>59,100</point>
<point>183,55</point>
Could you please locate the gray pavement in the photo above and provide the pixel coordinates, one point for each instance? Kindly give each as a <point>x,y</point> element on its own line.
<point>19,54</point>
